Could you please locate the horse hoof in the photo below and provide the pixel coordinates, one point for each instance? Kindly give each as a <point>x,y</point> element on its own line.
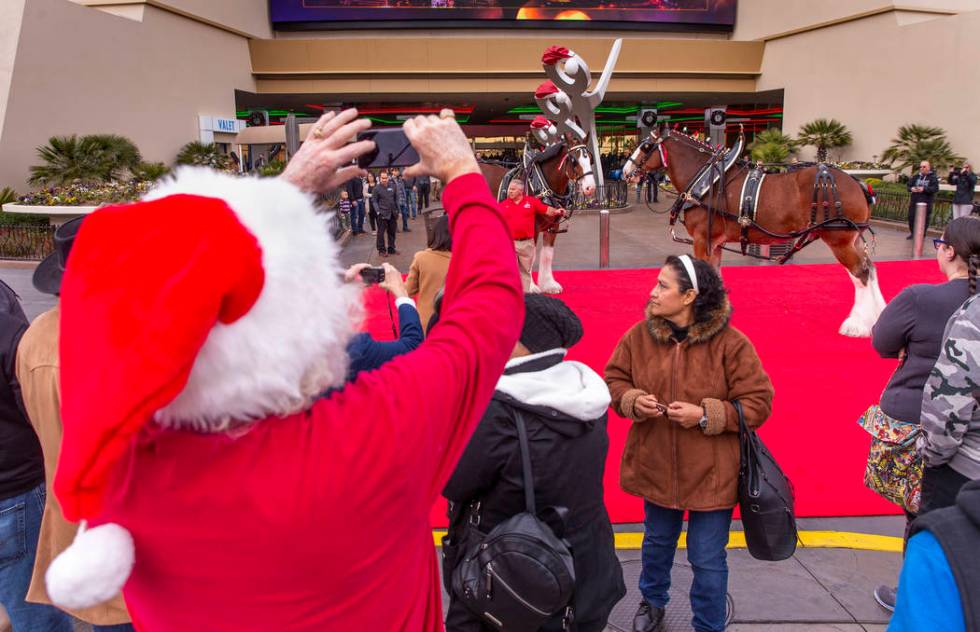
<point>855,328</point>
<point>552,288</point>
<point>534,289</point>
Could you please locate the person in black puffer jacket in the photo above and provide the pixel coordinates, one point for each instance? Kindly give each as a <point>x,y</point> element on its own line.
<point>564,405</point>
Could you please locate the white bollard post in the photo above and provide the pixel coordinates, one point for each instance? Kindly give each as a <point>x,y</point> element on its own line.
<point>604,238</point>
<point>919,230</point>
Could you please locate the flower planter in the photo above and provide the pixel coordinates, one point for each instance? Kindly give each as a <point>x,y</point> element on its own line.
<point>57,215</point>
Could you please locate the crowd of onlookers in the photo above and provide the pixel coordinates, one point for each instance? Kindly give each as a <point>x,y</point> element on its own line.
<point>241,487</point>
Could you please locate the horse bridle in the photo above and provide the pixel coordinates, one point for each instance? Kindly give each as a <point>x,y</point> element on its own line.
<point>647,146</point>
<point>569,153</point>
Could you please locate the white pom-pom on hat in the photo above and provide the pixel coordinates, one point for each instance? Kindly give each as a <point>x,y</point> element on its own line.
<point>93,569</point>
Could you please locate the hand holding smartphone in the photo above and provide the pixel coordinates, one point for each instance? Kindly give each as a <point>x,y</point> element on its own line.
<point>373,275</point>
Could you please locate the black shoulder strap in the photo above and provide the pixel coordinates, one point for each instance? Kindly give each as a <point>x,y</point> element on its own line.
<point>527,473</point>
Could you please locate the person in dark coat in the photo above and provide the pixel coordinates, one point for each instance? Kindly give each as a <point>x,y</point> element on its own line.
<point>564,405</point>
<point>923,186</point>
<point>965,181</point>
<point>366,353</point>
<point>22,491</point>
<point>424,189</point>
<point>355,192</point>
<point>384,199</point>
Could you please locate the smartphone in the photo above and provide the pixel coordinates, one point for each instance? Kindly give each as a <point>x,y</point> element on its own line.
<point>661,408</point>
<point>391,149</point>
<point>373,275</point>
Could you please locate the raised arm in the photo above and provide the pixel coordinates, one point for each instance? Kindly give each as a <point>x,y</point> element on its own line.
<point>433,397</point>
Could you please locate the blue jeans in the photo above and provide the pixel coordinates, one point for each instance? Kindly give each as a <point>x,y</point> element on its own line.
<point>404,209</point>
<point>357,218</point>
<point>20,526</point>
<point>413,204</point>
<point>122,627</point>
<point>707,537</point>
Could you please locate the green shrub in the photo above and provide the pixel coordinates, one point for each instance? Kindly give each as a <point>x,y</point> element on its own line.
<point>203,155</point>
<point>92,158</point>
<point>150,171</point>
<point>272,169</point>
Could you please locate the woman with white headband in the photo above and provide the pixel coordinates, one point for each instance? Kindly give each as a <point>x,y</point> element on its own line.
<point>675,375</point>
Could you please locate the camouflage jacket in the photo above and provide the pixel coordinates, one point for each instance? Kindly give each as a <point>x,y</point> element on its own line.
<point>951,399</point>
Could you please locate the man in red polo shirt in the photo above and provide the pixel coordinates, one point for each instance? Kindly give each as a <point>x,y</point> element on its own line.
<point>520,210</point>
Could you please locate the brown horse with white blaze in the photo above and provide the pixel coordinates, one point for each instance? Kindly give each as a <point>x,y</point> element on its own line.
<point>561,171</point>
<point>784,211</point>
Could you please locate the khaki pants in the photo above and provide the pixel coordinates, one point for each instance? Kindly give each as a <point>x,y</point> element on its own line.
<point>525,259</point>
<point>962,210</point>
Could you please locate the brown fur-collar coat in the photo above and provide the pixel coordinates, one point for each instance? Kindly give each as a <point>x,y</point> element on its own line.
<point>663,462</point>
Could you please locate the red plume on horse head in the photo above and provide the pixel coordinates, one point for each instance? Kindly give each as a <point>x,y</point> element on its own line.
<point>546,89</point>
<point>540,122</point>
<point>554,54</point>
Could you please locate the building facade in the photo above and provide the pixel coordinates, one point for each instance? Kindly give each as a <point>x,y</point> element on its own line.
<point>166,72</point>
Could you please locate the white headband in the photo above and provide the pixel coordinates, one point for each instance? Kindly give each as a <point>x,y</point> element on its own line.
<point>689,267</point>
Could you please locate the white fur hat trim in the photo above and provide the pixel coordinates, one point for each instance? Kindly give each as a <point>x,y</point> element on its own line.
<point>93,569</point>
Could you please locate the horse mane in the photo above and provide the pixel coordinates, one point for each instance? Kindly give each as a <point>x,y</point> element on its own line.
<point>699,143</point>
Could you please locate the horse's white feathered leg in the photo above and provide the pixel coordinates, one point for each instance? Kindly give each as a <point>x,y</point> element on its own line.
<point>546,277</point>
<point>865,312</point>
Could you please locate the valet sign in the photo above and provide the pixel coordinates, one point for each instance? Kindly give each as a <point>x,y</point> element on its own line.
<point>209,125</point>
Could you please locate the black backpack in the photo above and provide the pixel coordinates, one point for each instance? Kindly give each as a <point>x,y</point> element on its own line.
<point>520,574</point>
<point>765,498</point>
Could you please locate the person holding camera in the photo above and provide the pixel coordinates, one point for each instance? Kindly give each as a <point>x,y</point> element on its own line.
<point>675,375</point>
<point>384,200</point>
<point>218,487</point>
<point>365,352</point>
<point>965,181</point>
<point>923,186</point>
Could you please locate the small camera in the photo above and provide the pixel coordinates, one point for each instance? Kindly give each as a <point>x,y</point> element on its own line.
<point>373,275</point>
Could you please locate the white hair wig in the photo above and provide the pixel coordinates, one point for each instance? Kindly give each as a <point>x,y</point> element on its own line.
<point>291,345</point>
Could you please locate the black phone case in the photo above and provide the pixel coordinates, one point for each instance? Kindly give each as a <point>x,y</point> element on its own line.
<point>392,149</point>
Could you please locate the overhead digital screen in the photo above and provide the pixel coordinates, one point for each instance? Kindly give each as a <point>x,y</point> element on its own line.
<point>652,13</point>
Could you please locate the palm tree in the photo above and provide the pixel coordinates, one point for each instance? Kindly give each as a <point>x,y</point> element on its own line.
<point>7,196</point>
<point>202,155</point>
<point>150,171</point>
<point>93,158</point>
<point>916,143</point>
<point>770,152</point>
<point>771,145</point>
<point>824,134</point>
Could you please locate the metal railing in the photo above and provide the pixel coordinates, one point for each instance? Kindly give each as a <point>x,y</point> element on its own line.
<point>895,207</point>
<point>610,195</point>
<point>27,243</point>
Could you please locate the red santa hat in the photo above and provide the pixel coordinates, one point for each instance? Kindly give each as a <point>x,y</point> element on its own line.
<point>540,122</point>
<point>188,309</point>
<point>546,89</point>
<point>554,54</point>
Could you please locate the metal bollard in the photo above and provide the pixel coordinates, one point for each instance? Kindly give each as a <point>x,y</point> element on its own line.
<point>604,238</point>
<point>919,229</point>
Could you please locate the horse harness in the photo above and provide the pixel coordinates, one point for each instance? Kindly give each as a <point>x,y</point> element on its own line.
<point>709,185</point>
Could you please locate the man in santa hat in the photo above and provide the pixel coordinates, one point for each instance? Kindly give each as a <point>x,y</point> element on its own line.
<point>197,328</point>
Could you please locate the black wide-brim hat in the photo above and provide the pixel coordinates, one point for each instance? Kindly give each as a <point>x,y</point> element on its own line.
<point>48,274</point>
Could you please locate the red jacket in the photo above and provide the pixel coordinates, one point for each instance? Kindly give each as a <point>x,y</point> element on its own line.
<point>319,521</point>
<point>520,216</point>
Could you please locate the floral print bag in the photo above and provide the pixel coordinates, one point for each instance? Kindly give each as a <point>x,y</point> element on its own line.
<point>894,469</point>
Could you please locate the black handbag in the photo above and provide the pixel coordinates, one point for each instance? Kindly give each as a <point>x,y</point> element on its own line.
<point>520,574</point>
<point>765,498</point>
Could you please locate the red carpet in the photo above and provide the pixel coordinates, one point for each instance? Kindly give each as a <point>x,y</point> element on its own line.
<point>823,381</point>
